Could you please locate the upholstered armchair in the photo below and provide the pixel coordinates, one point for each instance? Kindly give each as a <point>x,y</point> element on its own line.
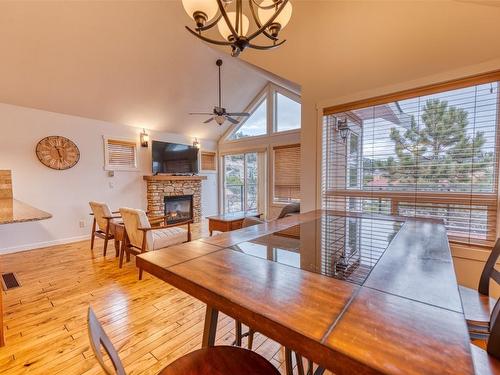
<point>100,227</point>
<point>141,237</point>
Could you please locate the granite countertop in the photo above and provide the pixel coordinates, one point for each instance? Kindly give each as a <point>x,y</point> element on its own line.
<point>14,211</point>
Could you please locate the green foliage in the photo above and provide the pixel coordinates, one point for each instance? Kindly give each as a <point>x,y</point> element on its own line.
<point>437,150</point>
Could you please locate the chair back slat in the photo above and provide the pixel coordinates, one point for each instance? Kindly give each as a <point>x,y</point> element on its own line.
<point>99,338</point>
<point>489,271</point>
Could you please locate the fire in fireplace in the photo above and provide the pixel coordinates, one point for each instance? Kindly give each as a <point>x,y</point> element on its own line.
<point>178,208</point>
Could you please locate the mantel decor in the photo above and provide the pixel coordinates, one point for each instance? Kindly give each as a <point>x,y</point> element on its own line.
<point>270,17</point>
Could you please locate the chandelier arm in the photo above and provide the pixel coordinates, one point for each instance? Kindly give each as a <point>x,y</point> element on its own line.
<point>254,46</point>
<point>204,38</point>
<point>211,24</point>
<point>237,18</point>
<point>269,21</point>
<point>226,18</point>
<point>266,7</point>
<point>257,22</point>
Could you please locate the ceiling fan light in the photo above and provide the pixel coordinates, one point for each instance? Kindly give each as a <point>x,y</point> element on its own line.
<point>282,19</point>
<point>201,11</point>
<point>224,28</point>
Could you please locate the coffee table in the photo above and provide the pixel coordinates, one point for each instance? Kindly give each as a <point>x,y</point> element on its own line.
<point>229,222</point>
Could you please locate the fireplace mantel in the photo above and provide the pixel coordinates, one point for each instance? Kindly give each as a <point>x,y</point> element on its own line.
<point>173,178</point>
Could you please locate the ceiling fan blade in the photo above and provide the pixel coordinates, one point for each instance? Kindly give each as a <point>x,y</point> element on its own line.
<point>230,119</point>
<point>239,114</point>
<point>201,113</point>
<point>209,120</point>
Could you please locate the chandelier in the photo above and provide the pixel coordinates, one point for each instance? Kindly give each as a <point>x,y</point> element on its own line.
<point>270,17</point>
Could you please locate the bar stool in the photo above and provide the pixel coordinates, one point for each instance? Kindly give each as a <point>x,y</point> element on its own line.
<point>476,303</point>
<point>216,360</point>
<point>487,362</point>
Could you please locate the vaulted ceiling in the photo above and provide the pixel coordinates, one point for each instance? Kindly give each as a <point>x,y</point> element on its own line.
<point>125,62</point>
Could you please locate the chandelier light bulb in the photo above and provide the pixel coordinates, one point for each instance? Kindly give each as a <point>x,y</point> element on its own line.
<point>224,29</point>
<point>201,11</point>
<point>282,19</point>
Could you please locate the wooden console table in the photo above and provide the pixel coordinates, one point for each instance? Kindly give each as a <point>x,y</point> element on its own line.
<point>229,222</point>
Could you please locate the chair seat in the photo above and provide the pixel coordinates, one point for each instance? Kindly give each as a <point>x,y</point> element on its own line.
<point>484,364</point>
<point>168,236</point>
<point>220,360</point>
<point>477,307</point>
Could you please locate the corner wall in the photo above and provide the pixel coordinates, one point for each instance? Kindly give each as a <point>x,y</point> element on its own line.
<point>65,194</point>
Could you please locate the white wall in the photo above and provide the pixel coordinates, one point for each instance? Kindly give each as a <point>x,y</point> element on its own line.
<point>65,194</point>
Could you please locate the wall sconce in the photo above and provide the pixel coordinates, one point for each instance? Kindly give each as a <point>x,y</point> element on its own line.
<point>196,143</point>
<point>144,138</point>
<point>343,129</point>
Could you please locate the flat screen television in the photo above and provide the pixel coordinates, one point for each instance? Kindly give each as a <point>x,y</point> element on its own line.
<point>174,158</point>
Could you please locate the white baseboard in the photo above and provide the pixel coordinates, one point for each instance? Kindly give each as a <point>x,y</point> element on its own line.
<point>38,245</point>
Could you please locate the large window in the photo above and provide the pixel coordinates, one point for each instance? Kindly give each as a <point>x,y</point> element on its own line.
<point>429,156</point>
<point>255,124</point>
<point>287,113</point>
<point>241,186</point>
<point>274,110</point>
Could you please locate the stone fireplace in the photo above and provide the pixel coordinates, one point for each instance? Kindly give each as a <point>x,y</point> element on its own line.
<point>161,187</point>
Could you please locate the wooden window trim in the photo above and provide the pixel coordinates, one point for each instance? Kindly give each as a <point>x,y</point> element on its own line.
<point>419,91</point>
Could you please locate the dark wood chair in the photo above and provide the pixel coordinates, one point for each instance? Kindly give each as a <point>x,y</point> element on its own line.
<point>486,354</point>
<point>217,360</point>
<point>477,304</point>
<point>100,226</point>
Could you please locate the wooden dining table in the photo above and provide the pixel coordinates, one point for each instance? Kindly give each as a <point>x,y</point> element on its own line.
<point>354,293</point>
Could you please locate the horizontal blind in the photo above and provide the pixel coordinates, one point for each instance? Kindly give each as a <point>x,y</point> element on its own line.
<point>121,154</point>
<point>208,161</point>
<point>287,173</point>
<point>433,156</point>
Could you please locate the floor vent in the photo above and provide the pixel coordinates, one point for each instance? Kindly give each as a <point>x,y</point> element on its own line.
<point>9,281</point>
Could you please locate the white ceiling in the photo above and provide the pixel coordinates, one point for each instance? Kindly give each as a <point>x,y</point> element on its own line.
<point>125,62</point>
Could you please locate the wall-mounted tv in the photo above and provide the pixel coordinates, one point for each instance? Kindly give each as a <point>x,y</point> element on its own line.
<point>174,158</point>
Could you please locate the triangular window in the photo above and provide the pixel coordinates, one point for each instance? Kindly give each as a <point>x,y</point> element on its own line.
<point>254,125</point>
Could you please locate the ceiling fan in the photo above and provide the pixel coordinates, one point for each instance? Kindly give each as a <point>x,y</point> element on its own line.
<point>219,113</point>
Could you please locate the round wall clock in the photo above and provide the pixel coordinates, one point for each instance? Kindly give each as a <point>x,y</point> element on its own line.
<point>57,152</point>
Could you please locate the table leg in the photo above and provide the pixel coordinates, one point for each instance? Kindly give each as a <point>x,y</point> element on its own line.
<point>117,247</point>
<point>211,316</point>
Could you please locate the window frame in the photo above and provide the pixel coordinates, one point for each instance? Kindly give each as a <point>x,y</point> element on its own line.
<point>245,188</point>
<point>490,200</point>
<point>108,167</point>
<point>290,95</point>
<point>268,93</point>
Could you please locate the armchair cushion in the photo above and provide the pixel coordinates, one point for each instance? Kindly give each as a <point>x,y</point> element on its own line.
<point>167,237</point>
<point>101,211</point>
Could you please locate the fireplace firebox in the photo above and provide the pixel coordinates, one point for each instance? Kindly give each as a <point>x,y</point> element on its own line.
<point>178,208</point>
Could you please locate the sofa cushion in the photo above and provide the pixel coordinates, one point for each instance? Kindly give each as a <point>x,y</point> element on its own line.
<point>168,236</point>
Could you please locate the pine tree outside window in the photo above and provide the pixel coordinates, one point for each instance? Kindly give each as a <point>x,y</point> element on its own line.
<point>432,156</point>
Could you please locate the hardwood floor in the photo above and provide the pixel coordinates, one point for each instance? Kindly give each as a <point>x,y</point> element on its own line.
<point>149,322</point>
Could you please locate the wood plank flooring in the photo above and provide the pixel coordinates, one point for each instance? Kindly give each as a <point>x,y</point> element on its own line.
<point>150,322</point>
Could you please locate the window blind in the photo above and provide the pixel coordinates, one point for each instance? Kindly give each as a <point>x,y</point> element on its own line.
<point>121,154</point>
<point>433,156</point>
<point>287,173</point>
